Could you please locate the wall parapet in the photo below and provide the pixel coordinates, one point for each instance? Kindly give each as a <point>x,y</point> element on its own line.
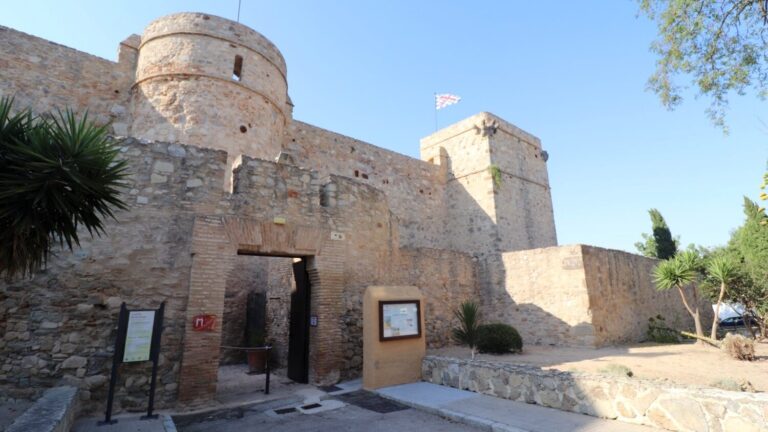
<point>647,402</point>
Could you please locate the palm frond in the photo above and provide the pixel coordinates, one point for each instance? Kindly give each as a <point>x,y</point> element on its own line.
<point>57,175</point>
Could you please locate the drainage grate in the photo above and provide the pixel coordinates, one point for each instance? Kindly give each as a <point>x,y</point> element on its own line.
<point>311,406</point>
<point>285,410</point>
<point>371,401</point>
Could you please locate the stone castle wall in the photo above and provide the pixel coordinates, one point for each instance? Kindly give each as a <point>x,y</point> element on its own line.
<point>186,89</point>
<point>622,297</point>
<point>456,223</point>
<point>414,188</point>
<point>59,327</point>
<point>580,295</point>
<point>46,76</point>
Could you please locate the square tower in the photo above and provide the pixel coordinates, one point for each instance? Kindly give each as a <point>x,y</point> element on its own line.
<point>497,187</point>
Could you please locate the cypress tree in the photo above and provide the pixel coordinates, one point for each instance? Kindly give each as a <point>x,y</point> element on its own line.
<point>660,243</point>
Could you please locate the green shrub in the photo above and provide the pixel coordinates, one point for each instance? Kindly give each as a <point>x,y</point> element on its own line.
<point>733,385</point>
<point>616,369</point>
<point>498,339</point>
<point>726,384</point>
<point>659,332</point>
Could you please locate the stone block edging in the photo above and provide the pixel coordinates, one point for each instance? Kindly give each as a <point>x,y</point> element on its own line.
<point>55,411</point>
<point>648,402</point>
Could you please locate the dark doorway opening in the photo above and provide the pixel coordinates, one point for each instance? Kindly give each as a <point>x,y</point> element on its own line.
<point>298,338</point>
<point>267,295</point>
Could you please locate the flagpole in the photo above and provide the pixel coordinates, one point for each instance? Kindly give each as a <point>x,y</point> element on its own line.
<point>434,104</point>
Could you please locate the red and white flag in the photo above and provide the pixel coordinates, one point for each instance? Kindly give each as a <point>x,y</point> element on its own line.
<point>442,100</point>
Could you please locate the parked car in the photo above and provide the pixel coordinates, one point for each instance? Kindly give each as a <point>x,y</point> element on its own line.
<point>734,321</point>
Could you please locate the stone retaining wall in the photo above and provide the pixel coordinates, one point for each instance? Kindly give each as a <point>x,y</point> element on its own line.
<point>647,402</point>
<point>55,411</point>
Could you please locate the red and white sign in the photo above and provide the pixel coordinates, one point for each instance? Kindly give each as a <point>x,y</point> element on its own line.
<point>204,322</point>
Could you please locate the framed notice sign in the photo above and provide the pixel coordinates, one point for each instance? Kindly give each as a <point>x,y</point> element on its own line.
<point>399,319</point>
<point>138,337</point>
<point>138,340</point>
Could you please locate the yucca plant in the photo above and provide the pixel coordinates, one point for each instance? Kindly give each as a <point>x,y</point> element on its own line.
<point>724,271</point>
<point>57,174</point>
<point>468,315</point>
<point>680,272</point>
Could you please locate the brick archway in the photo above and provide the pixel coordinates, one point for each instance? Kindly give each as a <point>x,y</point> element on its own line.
<point>216,240</point>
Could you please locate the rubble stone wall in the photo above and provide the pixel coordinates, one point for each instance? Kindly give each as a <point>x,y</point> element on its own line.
<point>648,402</point>
<point>46,76</point>
<point>59,327</point>
<point>414,188</point>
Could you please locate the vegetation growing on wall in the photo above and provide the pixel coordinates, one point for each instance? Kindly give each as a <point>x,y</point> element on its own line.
<point>495,175</point>
<point>57,175</point>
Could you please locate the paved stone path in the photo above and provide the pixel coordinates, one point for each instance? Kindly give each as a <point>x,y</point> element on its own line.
<point>349,418</point>
<point>495,414</point>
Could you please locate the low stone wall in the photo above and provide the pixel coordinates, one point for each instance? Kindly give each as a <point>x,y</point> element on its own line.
<point>647,402</point>
<point>55,411</point>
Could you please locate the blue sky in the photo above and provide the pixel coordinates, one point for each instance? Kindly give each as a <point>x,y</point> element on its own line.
<point>572,73</point>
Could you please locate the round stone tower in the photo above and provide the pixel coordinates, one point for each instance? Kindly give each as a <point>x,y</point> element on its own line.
<point>210,82</point>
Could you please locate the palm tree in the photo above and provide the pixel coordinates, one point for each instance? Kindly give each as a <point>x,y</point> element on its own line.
<point>680,272</point>
<point>57,175</point>
<point>724,271</point>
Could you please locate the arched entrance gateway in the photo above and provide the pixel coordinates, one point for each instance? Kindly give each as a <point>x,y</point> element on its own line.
<point>216,243</point>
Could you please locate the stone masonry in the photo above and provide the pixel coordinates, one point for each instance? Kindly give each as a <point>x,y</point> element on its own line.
<point>219,169</point>
<point>654,403</point>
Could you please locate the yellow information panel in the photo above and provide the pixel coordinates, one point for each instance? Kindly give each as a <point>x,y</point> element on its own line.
<point>138,339</point>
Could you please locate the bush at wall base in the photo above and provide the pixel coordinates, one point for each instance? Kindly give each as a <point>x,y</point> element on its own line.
<point>498,338</point>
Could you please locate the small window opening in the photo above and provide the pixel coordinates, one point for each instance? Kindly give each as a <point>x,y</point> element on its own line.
<point>365,176</point>
<point>237,72</point>
<point>357,173</point>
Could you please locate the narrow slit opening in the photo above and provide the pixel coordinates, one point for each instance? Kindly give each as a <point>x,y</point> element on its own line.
<point>237,71</point>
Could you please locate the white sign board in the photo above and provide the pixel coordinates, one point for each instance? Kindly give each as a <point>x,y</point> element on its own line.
<point>138,338</point>
<point>400,319</point>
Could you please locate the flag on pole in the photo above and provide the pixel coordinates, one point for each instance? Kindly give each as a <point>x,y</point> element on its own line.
<point>442,100</point>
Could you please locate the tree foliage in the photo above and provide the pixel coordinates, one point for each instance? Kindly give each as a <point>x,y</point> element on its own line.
<point>750,244</point>
<point>721,45</point>
<point>683,272</point>
<point>57,174</point>
<point>724,270</point>
<point>660,243</point>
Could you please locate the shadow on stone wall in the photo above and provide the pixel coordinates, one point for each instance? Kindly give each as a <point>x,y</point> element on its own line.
<point>271,276</point>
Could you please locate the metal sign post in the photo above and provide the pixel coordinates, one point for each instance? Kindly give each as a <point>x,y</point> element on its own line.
<point>122,324</point>
<point>138,339</point>
<point>155,354</point>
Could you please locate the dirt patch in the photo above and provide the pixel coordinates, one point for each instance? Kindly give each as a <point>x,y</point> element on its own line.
<point>682,363</point>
